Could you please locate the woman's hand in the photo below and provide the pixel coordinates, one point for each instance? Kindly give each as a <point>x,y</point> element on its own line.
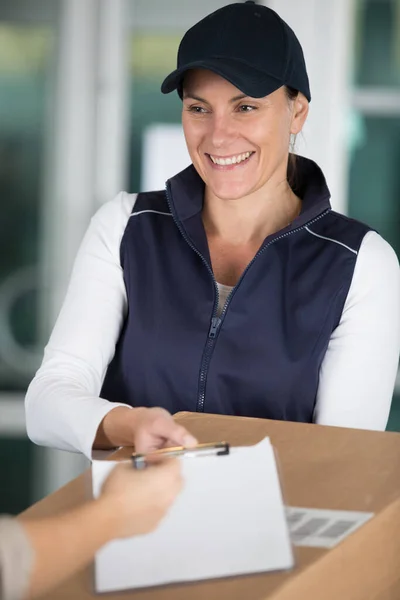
<point>134,502</point>
<point>145,428</point>
<point>155,428</point>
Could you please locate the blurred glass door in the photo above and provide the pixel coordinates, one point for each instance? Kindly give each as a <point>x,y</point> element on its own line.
<point>375,128</point>
<point>156,30</point>
<point>28,34</point>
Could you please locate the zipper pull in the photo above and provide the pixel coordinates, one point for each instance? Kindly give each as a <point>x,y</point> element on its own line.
<point>215,323</point>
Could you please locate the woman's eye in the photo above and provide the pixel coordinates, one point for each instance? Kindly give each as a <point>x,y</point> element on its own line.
<point>246,108</point>
<point>197,110</point>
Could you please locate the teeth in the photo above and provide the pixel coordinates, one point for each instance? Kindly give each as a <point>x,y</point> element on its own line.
<point>234,160</point>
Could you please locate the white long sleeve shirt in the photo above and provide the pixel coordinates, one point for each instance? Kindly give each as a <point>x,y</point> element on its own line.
<point>16,559</point>
<point>63,407</point>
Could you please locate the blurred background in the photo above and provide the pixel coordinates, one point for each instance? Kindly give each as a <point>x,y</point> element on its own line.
<point>82,117</point>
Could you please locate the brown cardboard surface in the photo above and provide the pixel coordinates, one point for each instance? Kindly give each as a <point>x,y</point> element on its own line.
<point>320,467</point>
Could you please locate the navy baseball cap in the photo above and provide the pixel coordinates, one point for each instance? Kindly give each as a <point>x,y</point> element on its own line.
<point>247,44</point>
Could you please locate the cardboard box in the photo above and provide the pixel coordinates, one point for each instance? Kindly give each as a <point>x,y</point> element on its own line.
<point>321,467</point>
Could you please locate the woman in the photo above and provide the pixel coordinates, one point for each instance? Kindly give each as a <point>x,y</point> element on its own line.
<point>237,290</point>
<point>36,555</point>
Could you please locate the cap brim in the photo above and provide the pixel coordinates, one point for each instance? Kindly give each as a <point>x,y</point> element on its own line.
<point>248,80</point>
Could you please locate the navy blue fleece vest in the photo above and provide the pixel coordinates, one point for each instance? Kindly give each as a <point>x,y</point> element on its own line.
<point>262,357</point>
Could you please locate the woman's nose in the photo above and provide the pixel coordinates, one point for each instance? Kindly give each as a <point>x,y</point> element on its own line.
<point>222,131</point>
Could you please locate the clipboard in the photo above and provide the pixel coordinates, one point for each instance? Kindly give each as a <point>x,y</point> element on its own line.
<point>230,519</point>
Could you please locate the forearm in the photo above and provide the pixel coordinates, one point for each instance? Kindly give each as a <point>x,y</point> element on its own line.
<point>53,404</point>
<point>66,543</point>
<point>63,408</point>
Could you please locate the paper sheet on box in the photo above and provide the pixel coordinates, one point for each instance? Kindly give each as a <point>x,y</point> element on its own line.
<point>228,520</point>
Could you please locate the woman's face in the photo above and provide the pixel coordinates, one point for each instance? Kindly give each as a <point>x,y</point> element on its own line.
<point>237,144</point>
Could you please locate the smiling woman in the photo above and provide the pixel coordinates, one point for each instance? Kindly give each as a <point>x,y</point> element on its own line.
<point>239,146</point>
<point>237,290</point>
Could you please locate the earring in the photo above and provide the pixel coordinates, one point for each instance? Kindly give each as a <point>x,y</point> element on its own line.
<point>292,146</point>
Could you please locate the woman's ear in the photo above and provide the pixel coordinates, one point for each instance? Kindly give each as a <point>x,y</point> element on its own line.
<point>299,114</point>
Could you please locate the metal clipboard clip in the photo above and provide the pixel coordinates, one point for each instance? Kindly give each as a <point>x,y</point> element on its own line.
<point>140,461</point>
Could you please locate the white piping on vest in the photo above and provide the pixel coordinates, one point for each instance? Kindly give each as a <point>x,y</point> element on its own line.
<point>331,240</point>
<point>157,212</point>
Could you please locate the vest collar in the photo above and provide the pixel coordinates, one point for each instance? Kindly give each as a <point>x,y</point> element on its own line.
<point>185,192</point>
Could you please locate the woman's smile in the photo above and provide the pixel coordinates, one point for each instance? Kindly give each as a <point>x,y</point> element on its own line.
<point>230,162</point>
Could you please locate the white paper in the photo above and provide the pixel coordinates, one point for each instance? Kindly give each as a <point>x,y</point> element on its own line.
<point>228,520</point>
<point>321,528</point>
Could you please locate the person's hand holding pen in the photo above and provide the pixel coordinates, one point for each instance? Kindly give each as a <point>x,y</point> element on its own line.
<point>134,502</point>
<point>131,503</point>
<point>146,429</point>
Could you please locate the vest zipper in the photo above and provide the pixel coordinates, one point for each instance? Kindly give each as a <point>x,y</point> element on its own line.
<point>216,322</point>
